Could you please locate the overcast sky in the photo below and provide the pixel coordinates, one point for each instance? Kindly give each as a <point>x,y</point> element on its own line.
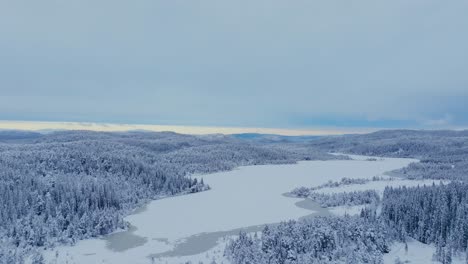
<point>280,64</point>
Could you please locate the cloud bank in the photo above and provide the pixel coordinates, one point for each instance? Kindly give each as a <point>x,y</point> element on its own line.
<point>294,65</point>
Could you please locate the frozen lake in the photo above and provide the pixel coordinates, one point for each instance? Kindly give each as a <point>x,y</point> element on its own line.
<point>245,198</point>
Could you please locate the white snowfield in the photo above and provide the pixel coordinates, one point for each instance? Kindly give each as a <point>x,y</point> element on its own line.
<point>244,197</point>
<point>346,210</point>
<point>418,253</point>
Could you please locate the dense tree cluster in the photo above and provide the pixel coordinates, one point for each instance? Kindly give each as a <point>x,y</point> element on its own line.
<point>435,214</point>
<point>304,191</point>
<point>60,193</point>
<point>340,198</point>
<point>349,240</point>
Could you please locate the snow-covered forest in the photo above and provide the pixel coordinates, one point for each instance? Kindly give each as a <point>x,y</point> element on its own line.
<point>342,198</point>
<point>65,186</point>
<point>314,240</point>
<point>443,154</point>
<point>436,215</point>
<point>62,187</point>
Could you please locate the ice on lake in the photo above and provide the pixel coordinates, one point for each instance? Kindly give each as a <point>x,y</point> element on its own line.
<point>247,197</point>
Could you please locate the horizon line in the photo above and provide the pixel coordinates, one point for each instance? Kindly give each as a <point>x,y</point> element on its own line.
<point>183,129</point>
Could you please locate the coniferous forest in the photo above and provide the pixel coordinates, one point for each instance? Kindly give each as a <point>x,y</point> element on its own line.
<point>66,186</point>
<point>436,215</point>
<point>61,187</point>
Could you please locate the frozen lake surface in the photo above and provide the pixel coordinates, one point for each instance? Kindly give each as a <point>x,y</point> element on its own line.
<point>247,197</point>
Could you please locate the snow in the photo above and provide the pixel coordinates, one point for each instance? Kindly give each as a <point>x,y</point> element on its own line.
<point>244,197</point>
<point>214,254</point>
<point>418,253</point>
<point>95,251</point>
<point>346,210</point>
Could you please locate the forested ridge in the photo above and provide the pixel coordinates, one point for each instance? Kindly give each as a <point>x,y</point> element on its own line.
<point>443,154</point>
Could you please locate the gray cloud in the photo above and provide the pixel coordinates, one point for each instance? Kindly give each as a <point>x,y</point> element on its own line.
<point>246,63</point>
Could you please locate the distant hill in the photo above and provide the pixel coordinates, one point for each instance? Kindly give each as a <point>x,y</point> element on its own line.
<point>272,138</point>
<point>8,135</point>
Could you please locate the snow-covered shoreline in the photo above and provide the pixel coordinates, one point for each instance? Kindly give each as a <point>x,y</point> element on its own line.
<point>244,197</point>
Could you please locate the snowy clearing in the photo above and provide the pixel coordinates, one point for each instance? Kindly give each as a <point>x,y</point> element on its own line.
<point>418,253</point>
<point>346,210</point>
